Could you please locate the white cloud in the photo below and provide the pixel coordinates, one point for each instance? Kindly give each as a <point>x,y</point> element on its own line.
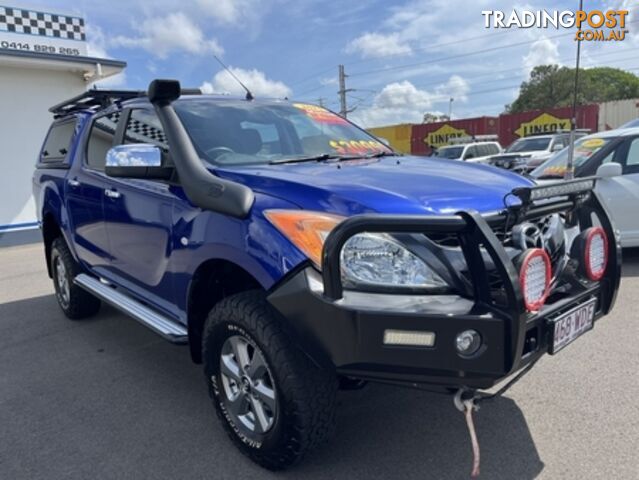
<point>116,81</point>
<point>328,81</point>
<point>372,45</point>
<point>543,52</point>
<point>96,42</point>
<point>161,36</point>
<point>231,12</point>
<point>403,102</point>
<point>254,79</point>
<point>96,47</point>
<point>456,87</point>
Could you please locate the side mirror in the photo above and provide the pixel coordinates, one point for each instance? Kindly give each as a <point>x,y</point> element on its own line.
<point>557,147</point>
<point>136,160</point>
<point>609,170</point>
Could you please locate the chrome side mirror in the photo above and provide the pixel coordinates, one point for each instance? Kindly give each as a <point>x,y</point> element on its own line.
<point>609,170</point>
<point>136,160</point>
<point>134,155</point>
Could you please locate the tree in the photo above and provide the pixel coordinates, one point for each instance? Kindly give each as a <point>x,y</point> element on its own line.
<point>552,86</point>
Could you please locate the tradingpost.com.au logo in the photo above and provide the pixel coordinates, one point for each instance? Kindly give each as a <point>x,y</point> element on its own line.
<point>592,25</point>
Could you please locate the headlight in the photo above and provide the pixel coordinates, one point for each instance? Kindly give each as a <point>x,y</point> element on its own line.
<point>367,259</point>
<point>378,260</point>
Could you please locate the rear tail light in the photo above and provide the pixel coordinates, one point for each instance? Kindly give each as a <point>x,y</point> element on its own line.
<point>534,278</point>
<point>595,253</point>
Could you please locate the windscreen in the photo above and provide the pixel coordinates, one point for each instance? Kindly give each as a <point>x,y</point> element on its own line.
<point>529,145</point>
<point>230,132</point>
<point>450,152</point>
<point>556,166</point>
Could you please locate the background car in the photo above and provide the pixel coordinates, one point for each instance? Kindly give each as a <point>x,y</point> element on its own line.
<point>525,154</point>
<point>477,152</point>
<point>614,157</point>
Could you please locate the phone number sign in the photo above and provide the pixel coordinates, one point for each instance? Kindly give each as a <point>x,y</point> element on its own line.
<point>41,32</point>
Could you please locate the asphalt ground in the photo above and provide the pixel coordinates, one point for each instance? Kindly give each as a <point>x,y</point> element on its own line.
<point>108,399</point>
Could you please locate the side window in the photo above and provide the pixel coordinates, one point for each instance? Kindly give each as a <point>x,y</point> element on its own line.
<point>494,149</point>
<point>56,145</point>
<point>101,140</point>
<point>471,152</point>
<point>144,126</point>
<point>632,159</point>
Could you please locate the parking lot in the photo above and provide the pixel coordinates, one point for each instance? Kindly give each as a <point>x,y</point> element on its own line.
<point>106,398</point>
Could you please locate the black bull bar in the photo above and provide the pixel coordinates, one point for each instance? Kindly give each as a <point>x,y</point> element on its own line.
<point>575,199</point>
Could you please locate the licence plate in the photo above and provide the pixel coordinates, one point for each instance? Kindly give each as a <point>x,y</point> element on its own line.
<point>572,324</point>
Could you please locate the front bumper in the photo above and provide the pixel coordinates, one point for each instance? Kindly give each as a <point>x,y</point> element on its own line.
<point>347,334</point>
<point>344,330</point>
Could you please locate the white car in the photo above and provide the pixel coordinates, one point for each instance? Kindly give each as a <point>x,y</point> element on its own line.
<point>477,152</point>
<point>530,152</point>
<point>614,157</point>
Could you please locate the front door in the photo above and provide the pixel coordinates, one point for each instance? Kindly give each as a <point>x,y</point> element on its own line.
<point>138,217</point>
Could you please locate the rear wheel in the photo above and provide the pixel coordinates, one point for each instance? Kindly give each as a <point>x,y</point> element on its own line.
<point>274,403</point>
<point>75,302</point>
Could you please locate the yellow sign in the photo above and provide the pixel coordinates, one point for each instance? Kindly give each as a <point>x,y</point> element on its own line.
<point>544,123</point>
<point>593,143</point>
<point>443,134</point>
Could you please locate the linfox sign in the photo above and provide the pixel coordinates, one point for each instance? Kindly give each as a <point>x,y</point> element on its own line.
<point>443,134</point>
<point>41,32</point>
<point>544,123</point>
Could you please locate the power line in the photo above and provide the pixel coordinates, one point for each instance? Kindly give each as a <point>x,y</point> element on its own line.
<point>452,57</point>
<point>463,55</point>
<point>490,74</point>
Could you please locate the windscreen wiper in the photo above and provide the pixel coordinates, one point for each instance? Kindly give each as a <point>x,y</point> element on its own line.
<point>314,158</point>
<point>382,154</point>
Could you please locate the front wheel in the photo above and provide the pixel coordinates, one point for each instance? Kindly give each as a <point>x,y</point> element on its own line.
<point>274,403</point>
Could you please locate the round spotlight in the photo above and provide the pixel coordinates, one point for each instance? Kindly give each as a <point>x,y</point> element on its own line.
<point>596,253</point>
<point>534,278</point>
<point>468,342</point>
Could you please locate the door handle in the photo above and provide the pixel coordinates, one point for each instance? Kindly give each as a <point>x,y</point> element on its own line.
<point>112,193</point>
<point>74,183</point>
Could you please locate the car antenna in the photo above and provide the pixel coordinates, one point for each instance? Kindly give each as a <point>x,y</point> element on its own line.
<point>249,95</point>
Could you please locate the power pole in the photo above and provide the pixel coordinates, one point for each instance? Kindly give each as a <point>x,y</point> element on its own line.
<point>570,167</point>
<point>320,101</point>
<point>343,111</point>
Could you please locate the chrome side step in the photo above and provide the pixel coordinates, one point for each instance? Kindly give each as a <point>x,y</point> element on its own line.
<point>167,328</point>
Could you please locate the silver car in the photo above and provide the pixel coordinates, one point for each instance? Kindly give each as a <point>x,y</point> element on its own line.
<point>614,157</point>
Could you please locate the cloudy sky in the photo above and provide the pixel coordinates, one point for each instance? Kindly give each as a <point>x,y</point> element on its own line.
<point>403,57</point>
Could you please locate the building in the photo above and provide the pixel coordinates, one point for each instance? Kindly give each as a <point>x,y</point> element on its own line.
<point>43,60</point>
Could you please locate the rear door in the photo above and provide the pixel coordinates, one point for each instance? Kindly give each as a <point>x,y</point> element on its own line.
<point>138,216</point>
<point>85,191</point>
<point>621,194</point>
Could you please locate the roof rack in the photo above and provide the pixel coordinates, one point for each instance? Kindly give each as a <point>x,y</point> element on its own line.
<point>95,100</point>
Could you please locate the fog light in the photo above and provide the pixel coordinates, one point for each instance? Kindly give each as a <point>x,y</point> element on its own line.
<point>409,338</point>
<point>468,342</point>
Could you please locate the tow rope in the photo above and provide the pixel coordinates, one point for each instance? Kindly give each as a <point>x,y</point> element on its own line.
<point>467,401</point>
<point>467,406</point>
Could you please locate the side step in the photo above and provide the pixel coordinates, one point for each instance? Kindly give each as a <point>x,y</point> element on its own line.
<point>167,328</point>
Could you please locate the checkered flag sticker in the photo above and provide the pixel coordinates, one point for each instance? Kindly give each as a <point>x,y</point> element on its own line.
<point>16,20</point>
<point>138,131</point>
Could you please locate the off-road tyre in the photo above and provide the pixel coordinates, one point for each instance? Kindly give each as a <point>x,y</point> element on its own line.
<point>305,393</point>
<point>75,302</point>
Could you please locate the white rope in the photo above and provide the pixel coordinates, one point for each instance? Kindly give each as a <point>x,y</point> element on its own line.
<point>469,406</point>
